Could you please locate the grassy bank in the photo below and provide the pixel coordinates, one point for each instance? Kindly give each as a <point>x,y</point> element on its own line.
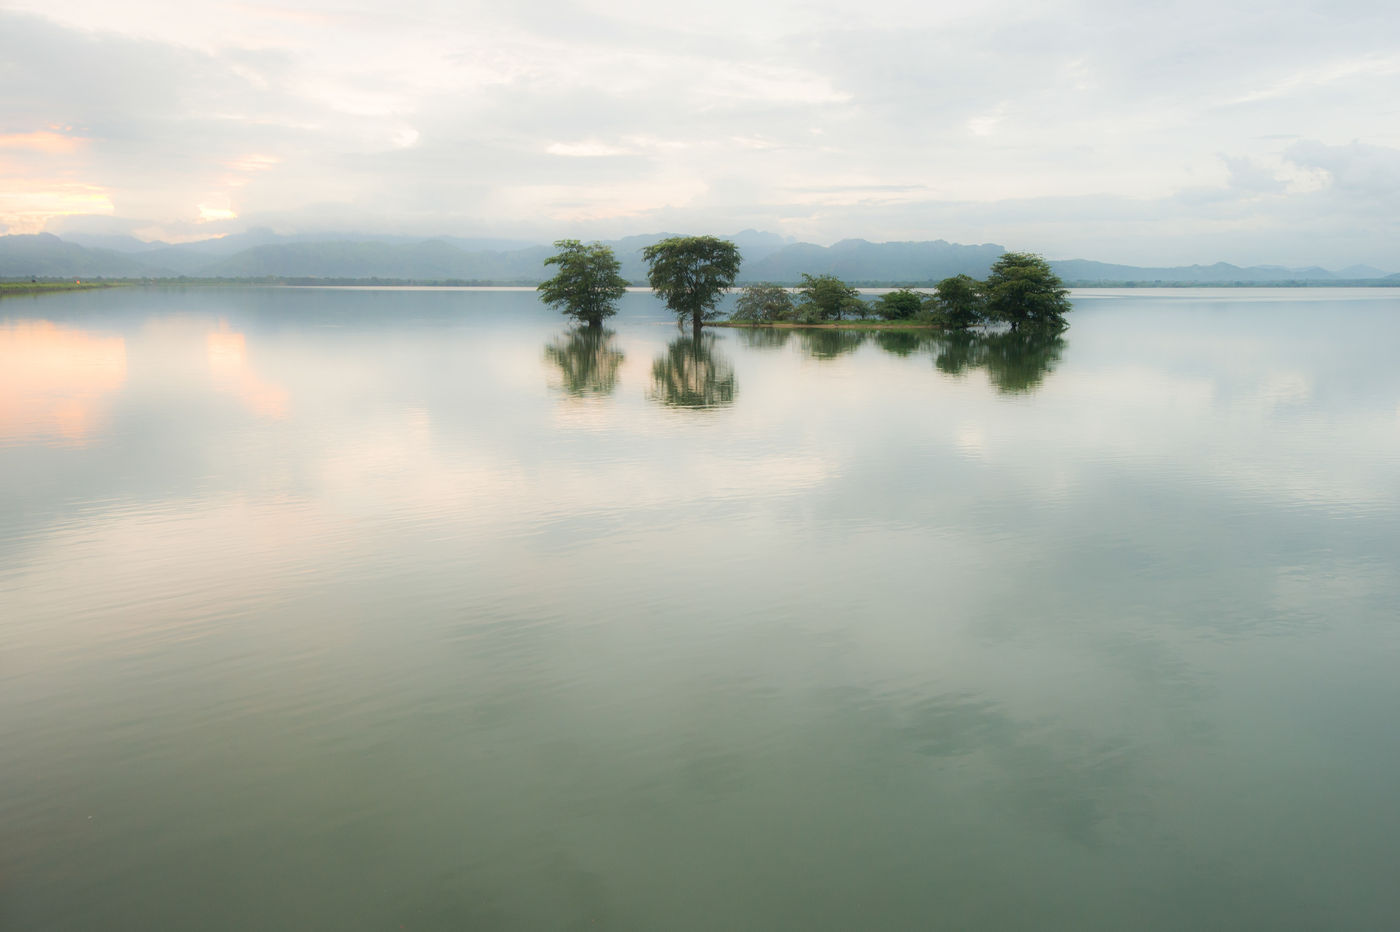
<point>18,288</point>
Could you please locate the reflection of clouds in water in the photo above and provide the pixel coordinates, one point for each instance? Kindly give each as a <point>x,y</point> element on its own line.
<point>212,558</point>
<point>970,439</point>
<point>227,353</point>
<point>190,354</point>
<point>1282,389</point>
<point>404,466</point>
<point>957,630</point>
<point>55,381</point>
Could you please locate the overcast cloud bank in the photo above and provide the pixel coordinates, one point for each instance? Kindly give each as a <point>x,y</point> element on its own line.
<point>1185,132</point>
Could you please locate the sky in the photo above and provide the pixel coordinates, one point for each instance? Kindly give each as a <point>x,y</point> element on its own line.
<point>1151,134</point>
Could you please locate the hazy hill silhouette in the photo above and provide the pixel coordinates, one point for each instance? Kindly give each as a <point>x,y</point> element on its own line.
<point>262,254</point>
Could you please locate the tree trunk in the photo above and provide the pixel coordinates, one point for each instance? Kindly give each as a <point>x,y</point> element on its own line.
<point>696,321</point>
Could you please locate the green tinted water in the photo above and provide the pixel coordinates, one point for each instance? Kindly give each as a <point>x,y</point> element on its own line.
<point>413,609</point>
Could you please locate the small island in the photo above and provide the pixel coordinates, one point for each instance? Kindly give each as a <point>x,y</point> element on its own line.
<point>1021,290</point>
<point>691,273</point>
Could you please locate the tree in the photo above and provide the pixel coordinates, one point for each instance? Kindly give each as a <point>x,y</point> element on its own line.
<point>763,303</point>
<point>959,301</point>
<point>588,282</point>
<point>900,305</point>
<point>690,274</point>
<point>826,297</point>
<point>1021,289</point>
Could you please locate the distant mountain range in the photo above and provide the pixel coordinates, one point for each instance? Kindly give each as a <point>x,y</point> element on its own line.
<point>262,254</point>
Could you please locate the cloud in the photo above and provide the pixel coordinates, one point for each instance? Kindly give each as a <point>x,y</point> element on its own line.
<point>1365,174</point>
<point>1073,125</point>
<point>1248,175</point>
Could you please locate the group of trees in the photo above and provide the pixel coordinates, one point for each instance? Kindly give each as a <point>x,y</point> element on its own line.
<point>1021,290</point>
<point>691,274</point>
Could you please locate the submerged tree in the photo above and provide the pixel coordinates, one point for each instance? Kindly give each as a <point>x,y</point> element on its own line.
<point>1023,290</point>
<point>690,273</point>
<point>692,374</point>
<point>763,303</point>
<point>587,360</point>
<point>588,282</point>
<point>959,302</point>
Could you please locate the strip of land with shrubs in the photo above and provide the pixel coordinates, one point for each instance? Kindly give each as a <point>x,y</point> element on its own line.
<point>37,287</point>
<point>1020,290</point>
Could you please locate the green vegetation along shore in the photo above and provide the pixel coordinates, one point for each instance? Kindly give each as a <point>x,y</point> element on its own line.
<point>32,287</point>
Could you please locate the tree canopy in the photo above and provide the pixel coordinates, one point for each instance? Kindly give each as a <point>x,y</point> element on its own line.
<point>763,303</point>
<point>959,301</point>
<point>903,304</point>
<point>690,273</point>
<point>587,284</point>
<point>1021,289</point>
<point>826,297</point>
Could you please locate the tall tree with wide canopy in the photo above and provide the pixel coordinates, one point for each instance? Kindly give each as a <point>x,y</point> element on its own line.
<point>690,273</point>
<point>1022,290</point>
<point>589,281</point>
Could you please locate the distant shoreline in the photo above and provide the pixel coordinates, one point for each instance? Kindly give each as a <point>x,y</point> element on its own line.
<point>25,286</point>
<point>8,289</point>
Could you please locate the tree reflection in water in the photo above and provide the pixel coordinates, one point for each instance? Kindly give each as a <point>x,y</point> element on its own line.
<point>901,342</point>
<point>587,359</point>
<point>764,337</point>
<point>692,374</point>
<point>830,344</point>
<point>957,352</point>
<point>1016,361</point>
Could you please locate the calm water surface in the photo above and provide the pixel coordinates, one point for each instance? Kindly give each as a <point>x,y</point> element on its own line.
<point>356,609</point>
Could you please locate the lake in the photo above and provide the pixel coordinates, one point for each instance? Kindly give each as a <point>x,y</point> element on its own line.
<point>383,609</point>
